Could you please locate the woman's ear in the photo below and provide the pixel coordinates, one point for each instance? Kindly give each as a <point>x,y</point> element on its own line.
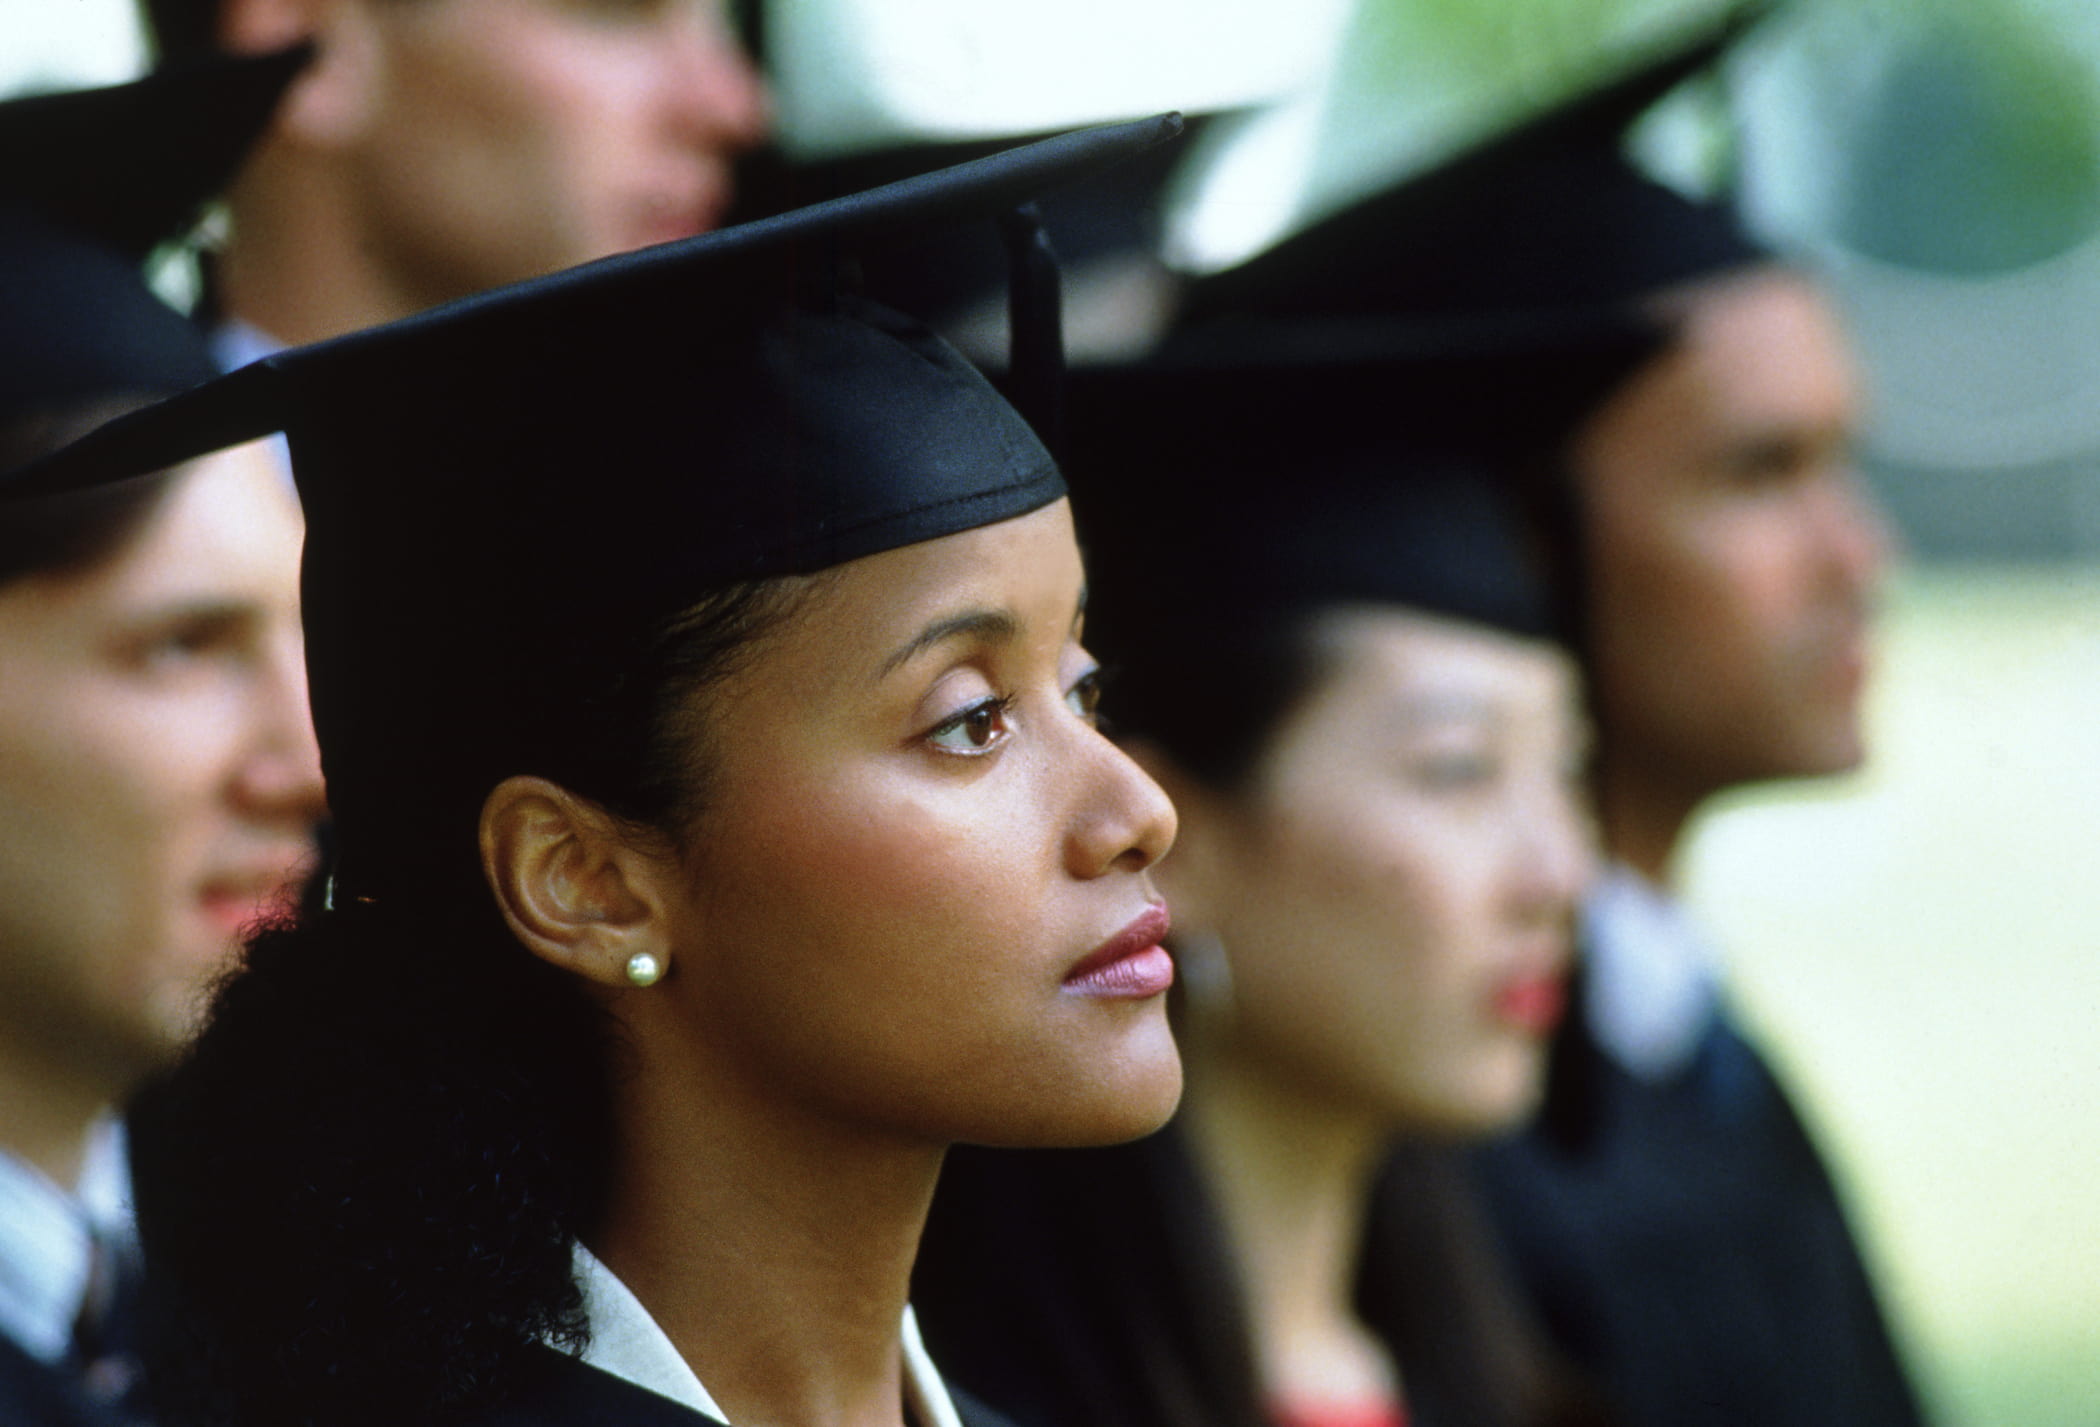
<point>574,884</point>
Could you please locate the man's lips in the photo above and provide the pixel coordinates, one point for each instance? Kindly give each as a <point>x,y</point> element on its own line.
<point>235,899</point>
<point>1131,965</point>
<point>684,211</point>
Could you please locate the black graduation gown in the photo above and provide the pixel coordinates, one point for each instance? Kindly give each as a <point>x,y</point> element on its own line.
<point>35,1394</point>
<point>1683,1241</point>
<point>562,1391</point>
<point>1093,1286</point>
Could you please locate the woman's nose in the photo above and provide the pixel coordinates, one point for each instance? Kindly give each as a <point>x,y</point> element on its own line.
<point>1124,820</point>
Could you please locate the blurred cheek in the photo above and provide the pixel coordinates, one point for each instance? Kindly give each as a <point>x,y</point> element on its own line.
<point>100,853</point>
<point>1339,898</point>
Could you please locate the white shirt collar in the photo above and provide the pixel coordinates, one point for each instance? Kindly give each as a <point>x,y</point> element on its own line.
<point>628,1343</point>
<point>1652,978</point>
<point>235,344</point>
<point>48,1237</point>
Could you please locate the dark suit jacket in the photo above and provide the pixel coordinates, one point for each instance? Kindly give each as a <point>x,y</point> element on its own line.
<point>1684,1242</point>
<point>33,1394</point>
<point>562,1391</point>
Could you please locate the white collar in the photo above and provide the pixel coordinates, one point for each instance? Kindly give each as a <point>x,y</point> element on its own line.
<point>48,1241</point>
<point>628,1343</point>
<point>235,344</point>
<point>1653,978</point>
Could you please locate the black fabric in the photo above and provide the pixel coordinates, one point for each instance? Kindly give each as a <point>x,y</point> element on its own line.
<point>561,1391</point>
<point>1688,1247</point>
<point>80,324</point>
<point>496,490</point>
<point>34,1394</point>
<point>1094,1286</point>
<point>1085,1286</point>
<point>90,181</point>
<point>1529,231</point>
<point>132,163</point>
<point>1214,483</point>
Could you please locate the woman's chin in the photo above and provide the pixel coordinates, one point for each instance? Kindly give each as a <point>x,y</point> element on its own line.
<point>1124,1093</point>
<point>1494,1100</point>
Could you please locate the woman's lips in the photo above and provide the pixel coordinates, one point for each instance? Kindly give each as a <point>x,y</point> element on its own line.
<point>1532,1002</point>
<point>1131,965</point>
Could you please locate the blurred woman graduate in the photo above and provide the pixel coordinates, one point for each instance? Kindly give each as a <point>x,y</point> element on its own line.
<point>723,832</point>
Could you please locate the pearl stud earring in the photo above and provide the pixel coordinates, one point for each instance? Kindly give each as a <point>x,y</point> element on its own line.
<point>643,969</point>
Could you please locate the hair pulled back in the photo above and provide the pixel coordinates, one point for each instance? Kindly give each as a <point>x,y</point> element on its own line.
<point>359,1192</point>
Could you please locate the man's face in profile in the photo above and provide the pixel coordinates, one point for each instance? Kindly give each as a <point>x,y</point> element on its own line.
<point>487,141</point>
<point>1734,551</point>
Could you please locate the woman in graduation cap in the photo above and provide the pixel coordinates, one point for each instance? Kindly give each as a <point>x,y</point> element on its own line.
<point>723,831</point>
<point>158,781</point>
<point>1329,586</point>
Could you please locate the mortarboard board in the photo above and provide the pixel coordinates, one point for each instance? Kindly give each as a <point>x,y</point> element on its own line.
<point>1534,229</point>
<point>502,491</point>
<point>90,182</point>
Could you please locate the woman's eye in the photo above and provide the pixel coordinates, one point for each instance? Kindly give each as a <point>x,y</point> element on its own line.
<point>179,644</point>
<point>1084,697</point>
<point>977,729</point>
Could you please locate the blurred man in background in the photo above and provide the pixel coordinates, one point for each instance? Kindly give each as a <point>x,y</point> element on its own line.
<point>439,147</point>
<point>1675,1223</point>
<point>158,775</point>
<point>1677,1226</point>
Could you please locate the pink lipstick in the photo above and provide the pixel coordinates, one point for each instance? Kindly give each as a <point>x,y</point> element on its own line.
<point>1532,1003</point>
<point>1129,966</point>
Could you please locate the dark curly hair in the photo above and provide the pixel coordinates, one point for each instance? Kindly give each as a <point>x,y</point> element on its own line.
<point>359,1192</point>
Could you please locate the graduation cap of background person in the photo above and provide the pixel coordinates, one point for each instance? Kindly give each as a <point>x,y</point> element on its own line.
<point>501,492</point>
<point>90,182</point>
<point>1539,228</point>
<point>1223,504</point>
<point>1213,485</point>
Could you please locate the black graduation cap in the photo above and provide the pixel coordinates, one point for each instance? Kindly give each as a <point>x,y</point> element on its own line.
<point>1223,503</point>
<point>1373,410</point>
<point>1537,229</point>
<point>501,492</point>
<point>1215,485</point>
<point>90,182</point>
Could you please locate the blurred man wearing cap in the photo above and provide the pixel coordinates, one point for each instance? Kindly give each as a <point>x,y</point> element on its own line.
<point>437,148</point>
<point>158,775</point>
<point>1676,1224</point>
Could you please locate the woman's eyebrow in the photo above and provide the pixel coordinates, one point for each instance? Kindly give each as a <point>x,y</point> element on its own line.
<point>992,626</point>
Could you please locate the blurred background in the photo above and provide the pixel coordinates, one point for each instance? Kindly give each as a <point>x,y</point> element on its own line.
<point>1919,944</point>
